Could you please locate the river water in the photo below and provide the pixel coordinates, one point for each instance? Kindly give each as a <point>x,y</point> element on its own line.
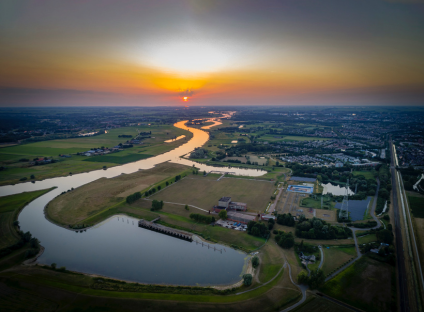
<point>118,248</point>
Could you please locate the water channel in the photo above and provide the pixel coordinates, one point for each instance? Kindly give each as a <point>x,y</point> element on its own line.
<point>117,247</point>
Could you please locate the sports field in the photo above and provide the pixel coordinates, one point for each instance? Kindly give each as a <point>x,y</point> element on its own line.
<point>15,169</point>
<point>205,193</point>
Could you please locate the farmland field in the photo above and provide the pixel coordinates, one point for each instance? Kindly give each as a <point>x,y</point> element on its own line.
<point>277,138</point>
<point>16,170</point>
<point>205,193</point>
<point>366,284</point>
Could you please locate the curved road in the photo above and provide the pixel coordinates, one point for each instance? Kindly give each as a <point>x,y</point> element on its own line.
<point>303,288</point>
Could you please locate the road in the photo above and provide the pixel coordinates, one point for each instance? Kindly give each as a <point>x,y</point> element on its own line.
<point>400,257</point>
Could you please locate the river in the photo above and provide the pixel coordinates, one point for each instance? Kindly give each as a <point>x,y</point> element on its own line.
<point>118,248</point>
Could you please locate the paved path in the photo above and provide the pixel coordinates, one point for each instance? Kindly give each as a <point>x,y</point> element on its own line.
<point>303,289</point>
<point>243,292</point>
<point>322,257</point>
<point>358,252</point>
<point>180,204</point>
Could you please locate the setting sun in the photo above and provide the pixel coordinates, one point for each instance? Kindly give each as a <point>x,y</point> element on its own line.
<point>185,98</point>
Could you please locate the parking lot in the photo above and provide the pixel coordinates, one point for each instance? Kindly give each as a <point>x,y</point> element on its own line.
<point>232,225</point>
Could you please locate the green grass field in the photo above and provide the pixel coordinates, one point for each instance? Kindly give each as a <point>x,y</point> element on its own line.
<point>271,138</point>
<point>416,203</point>
<point>10,206</point>
<point>15,170</point>
<point>335,256</point>
<point>46,290</point>
<point>366,174</point>
<point>318,304</point>
<point>205,193</point>
<point>81,205</point>
<point>310,202</point>
<point>367,239</point>
<point>366,284</point>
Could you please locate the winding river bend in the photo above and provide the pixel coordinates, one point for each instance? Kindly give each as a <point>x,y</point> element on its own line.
<point>117,247</point>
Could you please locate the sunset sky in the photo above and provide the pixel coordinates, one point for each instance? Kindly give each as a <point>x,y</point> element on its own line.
<point>230,52</point>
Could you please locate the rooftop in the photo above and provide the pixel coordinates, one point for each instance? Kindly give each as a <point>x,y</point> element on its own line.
<point>225,199</point>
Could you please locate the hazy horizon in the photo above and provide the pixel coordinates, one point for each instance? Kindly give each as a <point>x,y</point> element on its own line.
<point>176,53</point>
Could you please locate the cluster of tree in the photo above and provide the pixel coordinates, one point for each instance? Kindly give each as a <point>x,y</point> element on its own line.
<point>242,148</point>
<point>151,191</point>
<point>133,197</point>
<point>362,225</point>
<point>258,229</point>
<point>125,136</point>
<point>285,239</point>
<point>202,218</point>
<point>285,219</point>
<point>247,279</point>
<point>25,238</point>
<point>199,153</point>
<point>271,223</point>
<point>156,205</point>
<point>255,261</point>
<point>319,229</point>
<point>410,176</point>
<point>233,161</point>
<point>177,178</point>
<point>223,214</point>
<point>315,280</point>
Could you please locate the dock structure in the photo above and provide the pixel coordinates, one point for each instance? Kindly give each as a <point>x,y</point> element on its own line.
<point>150,225</point>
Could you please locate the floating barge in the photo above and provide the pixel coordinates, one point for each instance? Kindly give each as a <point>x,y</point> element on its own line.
<point>151,225</point>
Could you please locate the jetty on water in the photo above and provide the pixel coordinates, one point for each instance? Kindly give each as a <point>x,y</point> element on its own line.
<point>151,225</point>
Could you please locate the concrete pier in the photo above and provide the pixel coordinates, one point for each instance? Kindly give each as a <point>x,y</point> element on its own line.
<point>165,230</point>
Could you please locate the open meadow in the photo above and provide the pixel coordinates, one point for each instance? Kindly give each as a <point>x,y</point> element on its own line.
<point>336,256</point>
<point>12,158</point>
<point>366,284</point>
<point>77,205</point>
<point>319,304</point>
<point>205,193</point>
<point>10,206</point>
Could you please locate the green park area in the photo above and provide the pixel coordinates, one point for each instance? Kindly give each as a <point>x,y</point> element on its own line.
<point>367,284</point>
<point>15,160</point>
